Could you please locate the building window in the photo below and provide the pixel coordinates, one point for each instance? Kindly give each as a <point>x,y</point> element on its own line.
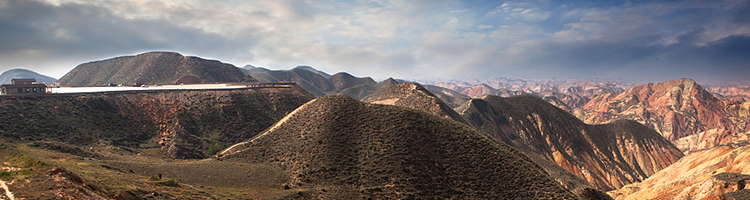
<point>3,90</point>
<point>27,89</point>
<point>35,89</point>
<point>19,90</point>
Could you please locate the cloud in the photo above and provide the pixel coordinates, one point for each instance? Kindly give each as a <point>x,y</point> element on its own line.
<point>382,38</point>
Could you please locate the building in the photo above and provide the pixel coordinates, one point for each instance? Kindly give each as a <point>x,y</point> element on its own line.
<point>24,86</point>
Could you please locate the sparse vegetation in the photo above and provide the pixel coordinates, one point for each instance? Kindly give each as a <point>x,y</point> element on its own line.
<point>338,147</point>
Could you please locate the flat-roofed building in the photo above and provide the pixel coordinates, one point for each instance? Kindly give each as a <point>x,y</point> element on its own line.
<point>24,86</point>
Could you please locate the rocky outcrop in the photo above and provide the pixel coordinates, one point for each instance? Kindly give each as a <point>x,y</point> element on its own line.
<point>681,110</point>
<point>608,156</point>
<point>717,173</point>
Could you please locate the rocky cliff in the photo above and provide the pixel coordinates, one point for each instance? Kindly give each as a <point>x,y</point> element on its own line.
<point>608,156</point>
<point>184,123</point>
<point>681,110</point>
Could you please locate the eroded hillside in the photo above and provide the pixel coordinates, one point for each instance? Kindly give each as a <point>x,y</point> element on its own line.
<point>721,172</point>
<point>681,110</point>
<point>184,123</point>
<point>608,156</point>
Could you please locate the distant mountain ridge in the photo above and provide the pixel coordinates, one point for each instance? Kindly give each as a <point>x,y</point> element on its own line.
<point>7,76</point>
<point>319,83</point>
<point>152,68</point>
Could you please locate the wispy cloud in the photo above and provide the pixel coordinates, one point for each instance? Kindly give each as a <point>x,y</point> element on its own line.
<point>381,38</point>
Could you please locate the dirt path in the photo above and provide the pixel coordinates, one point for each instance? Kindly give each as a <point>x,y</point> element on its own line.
<point>7,191</point>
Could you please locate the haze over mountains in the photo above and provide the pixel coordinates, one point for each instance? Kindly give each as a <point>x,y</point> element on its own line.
<point>566,139</point>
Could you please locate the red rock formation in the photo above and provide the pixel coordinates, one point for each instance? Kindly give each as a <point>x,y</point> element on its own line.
<point>708,174</point>
<point>678,109</point>
<point>608,156</point>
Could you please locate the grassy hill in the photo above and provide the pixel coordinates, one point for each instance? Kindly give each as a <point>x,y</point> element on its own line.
<point>185,123</point>
<point>7,76</point>
<point>608,156</point>
<point>152,68</point>
<point>338,147</point>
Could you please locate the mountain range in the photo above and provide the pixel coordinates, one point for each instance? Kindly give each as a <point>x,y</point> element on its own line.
<point>681,110</point>
<point>501,138</point>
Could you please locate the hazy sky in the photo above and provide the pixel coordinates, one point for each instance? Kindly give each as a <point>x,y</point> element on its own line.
<point>701,39</point>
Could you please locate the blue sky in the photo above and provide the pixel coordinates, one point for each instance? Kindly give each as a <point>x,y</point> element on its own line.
<point>654,40</point>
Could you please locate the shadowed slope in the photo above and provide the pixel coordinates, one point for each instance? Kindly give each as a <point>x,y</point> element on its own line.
<point>342,148</point>
<point>152,68</point>
<point>412,95</point>
<point>607,156</point>
<point>185,123</point>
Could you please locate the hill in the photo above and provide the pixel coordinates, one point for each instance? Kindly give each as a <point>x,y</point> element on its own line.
<point>152,68</point>
<point>182,123</point>
<point>7,76</point>
<point>608,156</point>
<point>412,95</point>
<point>337,147</point>
<point>721,172</point>
<point>681,110</point>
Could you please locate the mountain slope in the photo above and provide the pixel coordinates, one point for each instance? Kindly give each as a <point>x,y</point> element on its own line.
<point>450,97</point>
<point>341,148</point>
<point>412,95</point>
<point>183,123</point>
<point>607,156</point>
<point>152,68</point>
<point>705,174</point>
<point>7,76</point>
<point>681,110</point>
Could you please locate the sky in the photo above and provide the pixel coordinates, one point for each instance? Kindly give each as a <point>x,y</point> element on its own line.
<point>707,40</point>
